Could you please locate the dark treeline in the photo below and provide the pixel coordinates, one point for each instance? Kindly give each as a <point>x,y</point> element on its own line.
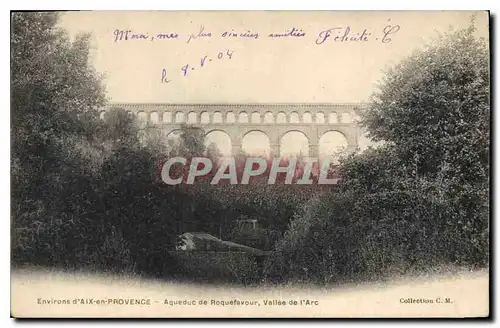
<point>86,192</point>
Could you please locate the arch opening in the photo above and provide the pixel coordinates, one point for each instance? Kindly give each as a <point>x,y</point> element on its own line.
<point>294,117</point>
<point>256,143</point>
<point>205,118</point>
<point>268,118</point>
<point>281,118</point>
<point>243,117</point>
<point>331,145</point>
<point>179,117</point>
<point>333,118</point>
<point>217,117</point>
<point>167,117</point>
<point>320,118</point>
<point>191,118</point>
<point>173,141</point>
<point>217,144</point>
<point>230,118</point>
<point>255,118</point>
<point>142,119</point>
<point>345,118</point>
<point>294,143</point>
<point>154,117</point>
<point>307,117</point>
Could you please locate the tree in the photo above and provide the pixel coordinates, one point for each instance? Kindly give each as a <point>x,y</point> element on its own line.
<point>434,107</point>
<point>433,110</point>
<point>120,128</point>
<point>213,152</point>
<point>54,96</point>
<point>192,141</point>
<point>54,92</point>
<point>85,191</point>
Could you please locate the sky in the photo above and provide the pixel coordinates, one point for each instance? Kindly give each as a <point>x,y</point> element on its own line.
<point>199,63</point>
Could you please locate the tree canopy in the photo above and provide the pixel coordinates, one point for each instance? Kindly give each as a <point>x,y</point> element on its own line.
<point>434,107</point>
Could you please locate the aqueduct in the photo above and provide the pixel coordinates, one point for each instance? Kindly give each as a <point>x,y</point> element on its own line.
<point>274,120</point>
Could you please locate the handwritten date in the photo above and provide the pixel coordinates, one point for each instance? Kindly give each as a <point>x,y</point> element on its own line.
<point>204,61</point>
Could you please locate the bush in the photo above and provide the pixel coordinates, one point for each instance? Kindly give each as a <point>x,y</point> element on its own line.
<point>381,225</point>
<point>226,267</point>
<point>115,254</point>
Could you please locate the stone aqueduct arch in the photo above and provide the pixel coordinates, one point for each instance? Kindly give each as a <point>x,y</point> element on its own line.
<point>275,120</point>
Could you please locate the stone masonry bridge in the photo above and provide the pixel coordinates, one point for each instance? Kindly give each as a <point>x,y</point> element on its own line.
<point>236,120</point>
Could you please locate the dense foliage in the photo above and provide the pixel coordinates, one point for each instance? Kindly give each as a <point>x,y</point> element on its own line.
<point>84,191</point>
<point>420,200</point>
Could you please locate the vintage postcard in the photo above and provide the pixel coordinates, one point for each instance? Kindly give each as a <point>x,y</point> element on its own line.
<point>250,164</point>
